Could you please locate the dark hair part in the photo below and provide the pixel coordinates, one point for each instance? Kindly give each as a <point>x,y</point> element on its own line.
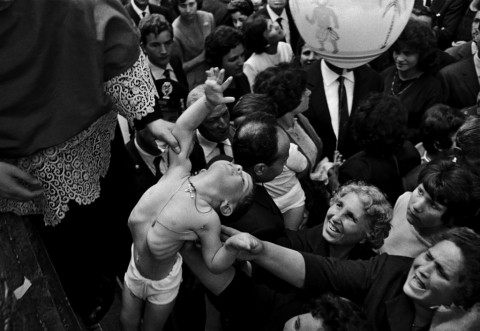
<point>339,314</point>
<point>245,7</point>
<point>254,27</point>
<point>284,83</point>
<point>376,206</point>
<point>253,103</point>
<point>468,242</point>
<point>379,124</point>
<point>176,3</point>
<point>220,42</point>
<point>153,23</point>
<point>439,123</point>
<point>419,38</point>
<point>256,140</point>
<point>453,186</point>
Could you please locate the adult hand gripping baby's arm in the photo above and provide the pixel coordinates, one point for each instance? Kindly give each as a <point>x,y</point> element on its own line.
<point>16,184</point>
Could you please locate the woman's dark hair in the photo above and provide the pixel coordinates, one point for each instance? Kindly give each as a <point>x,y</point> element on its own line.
<point>220,42</point>
<point>379,124</point>
<point>253,103</point>
<point>284,83</point>
<point>468,242</point>
<point>455,187</point>
<point>254,28</point>
<point>439,123</point>
<point>339,314</point>
<point>175,4</point>
<point>418,37</point>
<point>245,7</point>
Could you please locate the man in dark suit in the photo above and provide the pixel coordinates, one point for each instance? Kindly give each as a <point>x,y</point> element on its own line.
<point>324,109</point>
<point>280,10</point>
<point>460,82</point>
<point>449,14</point>
<point>138,9</point>
<point>214,135</point>
<point>467,49</point>
<point>261,147</point>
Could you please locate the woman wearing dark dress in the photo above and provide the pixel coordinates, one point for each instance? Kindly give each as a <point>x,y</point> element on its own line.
<point>411,79</point>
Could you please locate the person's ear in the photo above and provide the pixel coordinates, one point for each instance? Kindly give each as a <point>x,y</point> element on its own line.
<point>259,169</point>
<point>436,144</point>
<point>225,208</point>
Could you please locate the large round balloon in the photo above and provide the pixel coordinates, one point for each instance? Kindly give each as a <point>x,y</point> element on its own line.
<point>349,33</point>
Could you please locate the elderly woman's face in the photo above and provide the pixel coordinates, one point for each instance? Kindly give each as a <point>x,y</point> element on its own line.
<point>433,279</point>
<point>345,223</point>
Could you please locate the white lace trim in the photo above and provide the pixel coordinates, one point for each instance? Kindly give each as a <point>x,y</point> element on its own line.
<point>133,92</point>
<point>69,171</point>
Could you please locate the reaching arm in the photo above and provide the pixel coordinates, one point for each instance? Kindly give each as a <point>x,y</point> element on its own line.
<point>217,256</point>
<point>285,263</point>
<point>216,283</point>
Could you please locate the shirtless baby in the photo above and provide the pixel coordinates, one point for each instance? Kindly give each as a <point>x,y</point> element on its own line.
<point>180,208</point>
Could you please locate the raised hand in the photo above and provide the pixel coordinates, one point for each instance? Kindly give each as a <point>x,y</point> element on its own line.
<point>214,87</point>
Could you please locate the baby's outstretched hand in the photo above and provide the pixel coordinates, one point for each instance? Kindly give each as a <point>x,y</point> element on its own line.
<point>214,87</point>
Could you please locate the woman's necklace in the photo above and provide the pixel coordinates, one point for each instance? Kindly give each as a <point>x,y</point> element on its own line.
<point>398,86</point>
<point>193,194</point>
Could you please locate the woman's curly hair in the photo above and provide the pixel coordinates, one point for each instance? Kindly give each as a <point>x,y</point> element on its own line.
<point>378,209</point>
<point>380,124</point>
<point>284,83</point>
<point>419,38</point>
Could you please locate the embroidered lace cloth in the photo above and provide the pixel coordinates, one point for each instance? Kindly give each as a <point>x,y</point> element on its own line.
<point>72,170</point>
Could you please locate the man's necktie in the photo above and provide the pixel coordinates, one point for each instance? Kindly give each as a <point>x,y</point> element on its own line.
<point>166,73</point>
<point>342,113</point>
<point>279,21</point>
<point>221,148</point>
<point>156,163</point>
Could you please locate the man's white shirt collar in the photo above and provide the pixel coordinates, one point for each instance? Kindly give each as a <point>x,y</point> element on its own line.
<point>158,72</point>
<point>138,10</point>
<point>330,76</point>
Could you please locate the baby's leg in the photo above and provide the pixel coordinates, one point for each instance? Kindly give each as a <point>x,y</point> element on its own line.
<point>294,218</point>
<point>132,308</point>
<point>155,316</point>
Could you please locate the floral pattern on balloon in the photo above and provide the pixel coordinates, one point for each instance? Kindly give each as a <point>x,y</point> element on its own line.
<point>350,33</point>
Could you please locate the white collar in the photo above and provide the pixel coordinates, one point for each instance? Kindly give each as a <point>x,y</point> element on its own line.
<point>330,76</point>
<point>476,61</point>
<point>157,72</point>
<point>274,15</point>
<point>138,10</point>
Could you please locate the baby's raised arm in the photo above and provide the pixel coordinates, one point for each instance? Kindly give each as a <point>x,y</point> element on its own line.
<point>191,118</point>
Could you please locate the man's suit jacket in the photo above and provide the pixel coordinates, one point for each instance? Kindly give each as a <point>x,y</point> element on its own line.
<point>154,9</point>
<point>461,51</point>
<point>294,34</point>
<point>366,81</point>
<point>144,178</point>
<point>460,83</point>
<point>261,218</point>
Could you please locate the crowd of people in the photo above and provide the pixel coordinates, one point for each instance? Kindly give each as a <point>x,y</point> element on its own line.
<point>204,158</point>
